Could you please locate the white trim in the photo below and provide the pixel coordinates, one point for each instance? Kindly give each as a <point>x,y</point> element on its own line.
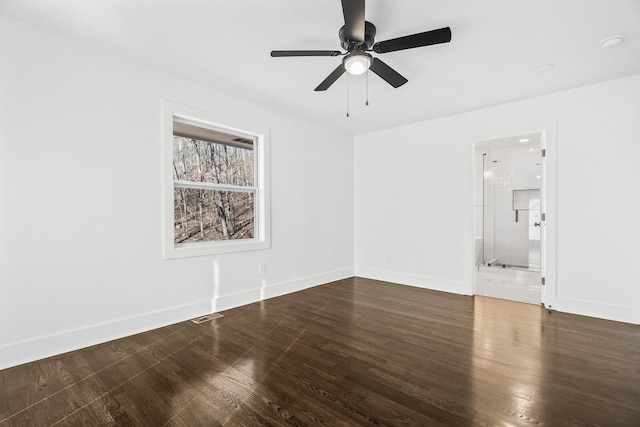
<point>194,116</point>
<point>21,352</point>
<point>27,351</point>
<point>548,142</point>
<point>549,263</point>
<point>413,280</point>
<point>225,246</point>
<point>618,313</point>
<point>267,291</point>
<point>260,134</point>
<point>214,187</point>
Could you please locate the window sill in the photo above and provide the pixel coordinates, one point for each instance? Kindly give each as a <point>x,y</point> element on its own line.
<point>184,250</point>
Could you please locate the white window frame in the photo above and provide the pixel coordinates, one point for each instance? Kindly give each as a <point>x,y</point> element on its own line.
<point>260,136</point>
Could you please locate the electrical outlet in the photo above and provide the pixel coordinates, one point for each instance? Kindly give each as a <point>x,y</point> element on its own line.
<point>262,268</point>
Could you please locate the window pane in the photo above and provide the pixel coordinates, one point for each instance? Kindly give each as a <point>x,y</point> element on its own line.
<point>205,161</point>
<point>209,215</point>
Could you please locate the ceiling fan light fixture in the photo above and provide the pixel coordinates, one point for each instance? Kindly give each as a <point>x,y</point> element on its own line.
<point>357,63</point>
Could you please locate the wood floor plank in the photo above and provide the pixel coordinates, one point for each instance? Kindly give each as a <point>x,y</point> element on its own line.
<point>243,379</point>
<point>199,412</point>
<point>351,352</point>
<point>152,396</point>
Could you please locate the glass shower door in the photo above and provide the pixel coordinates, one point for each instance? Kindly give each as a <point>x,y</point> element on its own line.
<point>526,204</point>
<point>488,208</point>
<point>511,208</point>
<point>535,228</point>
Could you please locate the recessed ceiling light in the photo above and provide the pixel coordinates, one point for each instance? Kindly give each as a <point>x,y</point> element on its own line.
<point>544,68</point>
<point>524,140</point>
<point>611,41</point>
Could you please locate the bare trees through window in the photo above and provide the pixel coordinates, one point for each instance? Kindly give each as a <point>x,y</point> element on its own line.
<point>216,195</point>
<point>214,186</point>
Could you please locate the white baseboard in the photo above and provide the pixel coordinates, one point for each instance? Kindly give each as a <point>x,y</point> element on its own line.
<point>413,280</point>
<point>617,313</point>
<point>277,289</point>
<point>27,351</point>
<point>34,349</point>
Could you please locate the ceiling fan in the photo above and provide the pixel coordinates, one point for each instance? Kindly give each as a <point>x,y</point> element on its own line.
<point>357,38</point>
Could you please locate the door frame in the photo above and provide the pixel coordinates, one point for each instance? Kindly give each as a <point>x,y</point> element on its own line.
<point>548,139</point>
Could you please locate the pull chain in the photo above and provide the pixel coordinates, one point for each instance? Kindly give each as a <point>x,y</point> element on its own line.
<point>347,94</point>
<point>367,100</point>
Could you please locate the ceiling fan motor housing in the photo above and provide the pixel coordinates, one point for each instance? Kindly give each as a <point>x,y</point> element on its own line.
<point>367,44</point>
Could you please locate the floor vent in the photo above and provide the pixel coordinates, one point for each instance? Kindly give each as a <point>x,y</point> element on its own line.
<point>206,318</point>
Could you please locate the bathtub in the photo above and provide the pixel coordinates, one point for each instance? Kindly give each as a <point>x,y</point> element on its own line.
<point>508,282</point>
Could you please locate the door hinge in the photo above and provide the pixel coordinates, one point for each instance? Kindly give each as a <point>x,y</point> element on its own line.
<point>544,152</point>
<point>544,216</point>
<point>543,281</point>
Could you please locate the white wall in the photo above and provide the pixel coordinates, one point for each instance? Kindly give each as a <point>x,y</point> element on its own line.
<point>81,201</point>
<point>414,197</point>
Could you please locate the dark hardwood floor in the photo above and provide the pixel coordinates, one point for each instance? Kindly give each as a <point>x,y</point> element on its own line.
<point>352,352</point>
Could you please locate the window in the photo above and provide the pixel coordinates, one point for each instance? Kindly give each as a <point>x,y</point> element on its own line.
<point>216,199</point>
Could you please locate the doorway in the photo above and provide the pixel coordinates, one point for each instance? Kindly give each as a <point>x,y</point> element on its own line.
<point>509,217</point>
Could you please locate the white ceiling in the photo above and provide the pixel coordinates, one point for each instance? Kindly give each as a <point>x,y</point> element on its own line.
<point>495,47</point>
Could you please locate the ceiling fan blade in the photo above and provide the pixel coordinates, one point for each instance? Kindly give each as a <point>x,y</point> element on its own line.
<point>283,53</point>
<point>387,73</point>
<point>331,78</point>
<point>353,11</point>
<point>441,35</point>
